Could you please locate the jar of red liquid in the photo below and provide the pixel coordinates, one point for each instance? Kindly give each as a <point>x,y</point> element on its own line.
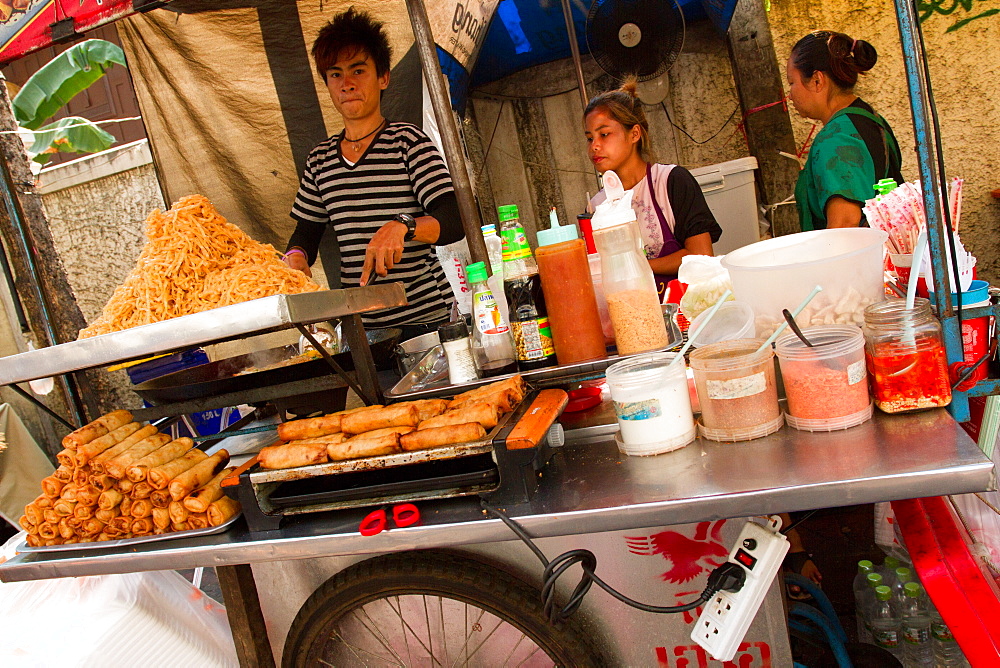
<point>906,359</point>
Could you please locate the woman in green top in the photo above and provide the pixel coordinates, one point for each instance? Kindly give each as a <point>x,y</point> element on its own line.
<point>856,147</point>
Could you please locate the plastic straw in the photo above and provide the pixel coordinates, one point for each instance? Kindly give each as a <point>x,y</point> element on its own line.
<point>918,257</point>
<point>795,313</point>
<point>697,330</point>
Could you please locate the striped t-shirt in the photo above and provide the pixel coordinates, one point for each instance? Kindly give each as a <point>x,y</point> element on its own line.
<point>401,172</point>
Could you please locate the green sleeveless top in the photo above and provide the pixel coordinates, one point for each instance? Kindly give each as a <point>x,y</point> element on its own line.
<point>840,164</point>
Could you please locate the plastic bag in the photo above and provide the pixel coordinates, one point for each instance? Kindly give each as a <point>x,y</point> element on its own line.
<point>706,279</point>
<point>135,619</point>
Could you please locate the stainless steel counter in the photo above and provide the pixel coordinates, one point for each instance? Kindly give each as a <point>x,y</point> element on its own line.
<point>222,324</point>
<point>589,487</point>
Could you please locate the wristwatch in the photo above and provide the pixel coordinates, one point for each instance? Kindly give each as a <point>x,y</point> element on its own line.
<point>411,225</point>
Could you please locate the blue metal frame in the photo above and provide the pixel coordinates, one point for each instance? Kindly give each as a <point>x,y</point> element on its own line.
<point>923,130</point>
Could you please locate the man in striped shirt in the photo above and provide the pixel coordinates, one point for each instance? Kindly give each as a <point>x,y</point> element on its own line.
<point>381,186</point>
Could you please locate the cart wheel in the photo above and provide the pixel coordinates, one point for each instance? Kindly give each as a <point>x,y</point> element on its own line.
<point>431,608</point>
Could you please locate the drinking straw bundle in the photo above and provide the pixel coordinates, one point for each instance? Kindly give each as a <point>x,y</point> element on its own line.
<point>900,214</point>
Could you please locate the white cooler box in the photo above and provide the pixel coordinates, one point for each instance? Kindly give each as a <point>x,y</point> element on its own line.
<point>729,191</point>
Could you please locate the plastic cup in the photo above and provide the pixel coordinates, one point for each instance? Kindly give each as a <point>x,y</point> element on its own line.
<point>737,390</point>
<point>734,320</point>
<point>827,385</point>
<point>652,404</point>
<point>975,331</point>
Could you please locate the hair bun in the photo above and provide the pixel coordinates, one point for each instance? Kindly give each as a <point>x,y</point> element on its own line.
<point>865,55</point>
<point>631,86</point>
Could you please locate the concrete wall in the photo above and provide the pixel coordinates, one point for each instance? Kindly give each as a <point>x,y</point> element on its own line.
<point>965,74</point>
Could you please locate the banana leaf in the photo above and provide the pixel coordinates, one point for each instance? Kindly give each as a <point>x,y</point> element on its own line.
<point>62,78</point>
<point>69,135</point>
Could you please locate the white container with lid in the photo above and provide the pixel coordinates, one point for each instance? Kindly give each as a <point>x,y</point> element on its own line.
<point>652,404</point>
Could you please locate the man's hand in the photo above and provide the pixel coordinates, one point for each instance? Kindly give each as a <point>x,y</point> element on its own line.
<point>298,261</point>
<point>384,250</point>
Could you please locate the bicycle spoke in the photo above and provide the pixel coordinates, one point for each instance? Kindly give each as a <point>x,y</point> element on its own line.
<point>375,632</point>
<point>489,635</point>
<point>357,651</point>
<point>514,649</point>
<point>444,630</point>
<point>468,633</point>
<point>533,653</point>
<point>430,634</point>
<point>406,625</point>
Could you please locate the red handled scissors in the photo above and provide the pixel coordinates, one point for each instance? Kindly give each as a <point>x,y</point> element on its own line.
<point>375,522</point>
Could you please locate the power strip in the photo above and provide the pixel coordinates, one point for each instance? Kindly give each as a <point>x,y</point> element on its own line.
<point>726,618</point>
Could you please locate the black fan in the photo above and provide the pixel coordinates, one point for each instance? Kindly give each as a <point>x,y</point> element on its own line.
<point>638,37</point>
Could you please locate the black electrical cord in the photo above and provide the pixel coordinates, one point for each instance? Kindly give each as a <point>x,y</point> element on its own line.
<point>728,577</point>
<point>686,134</point>
<point>798,521</point>
<point>942,182</point>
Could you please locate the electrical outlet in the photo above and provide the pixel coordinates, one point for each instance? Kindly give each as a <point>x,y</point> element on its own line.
<point>726,617</point>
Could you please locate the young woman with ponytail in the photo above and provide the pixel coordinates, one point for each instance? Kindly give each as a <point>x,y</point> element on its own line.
<point>671,210</point>
<point>856,147</point>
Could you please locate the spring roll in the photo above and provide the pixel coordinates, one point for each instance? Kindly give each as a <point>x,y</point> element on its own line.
<point>83,512</point>
<point>115,419</point>
<point>388,416</point>
<point>292,455</point>
<point>52,487</point>
<point>104,536</point>
<point>126,505</point>
<point>84,434</point>
<point>157,531</point>
<point>33,513</point>
<point>504,400</point>
<point>50,516</point>
<point>69,492</point>
<point>66,458</point>
<point>88,451</point>
<point>42,501</point>
<point>485,414</point>
<point>160,476</point>
<point>142,526</point>
<point>427,408</point>
<point>197,521</point>
<point>109,498</point>
<point>437,436</point>
<point>81,476</point>
<point>222,510</point>
<point>124,486</point>
<point>182,526</point>
<point>64,529</point>
<point>120,464</point>
<point>47,530</point>
<point>514,383</point>
<point>161,518</point>
<point>33,540</point>
<point>98,462</point>
<point>64,473</point>
<point>178,513</point>
<point>64,508</point>
<point>74,521</point>
<point>199,500</point>
<point>88,495</point>
<point>107,514</point>
<point>197,475</point>
<point>386,442</point>
<point>121,524</point>
<point>92,527</point>
<point>172,450</point>
<point>102,481</point>
<point>141,508</point>
<point>297,430</point>
<point>25,523</point>
<point>160,498</point>
<point>53,541</point>
<point>142,490</point>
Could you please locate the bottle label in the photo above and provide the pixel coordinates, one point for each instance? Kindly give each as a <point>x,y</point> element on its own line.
<point>916,635</point>
<point>638,410</point>
<point>886,638</point>
<point>515,244</point>
<point>488,318</point>
<point>941,632</point>
<point>737,388</point>
<point>533,339</point>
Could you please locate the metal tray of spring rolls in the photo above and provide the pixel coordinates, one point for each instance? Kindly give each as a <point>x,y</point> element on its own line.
<point>128,542</point>
<point>259,475</point>
<point>414,384</point>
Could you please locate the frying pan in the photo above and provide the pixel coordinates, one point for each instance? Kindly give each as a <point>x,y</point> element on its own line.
<point>215,378</point>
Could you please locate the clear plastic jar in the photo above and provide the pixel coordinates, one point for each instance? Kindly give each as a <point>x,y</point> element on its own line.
<point>630,289</point>
<point>652,404</point>
<point>737,390</point>
<point>906,356</point>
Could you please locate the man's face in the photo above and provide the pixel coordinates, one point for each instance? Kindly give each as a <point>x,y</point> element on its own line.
<point>354,84</point>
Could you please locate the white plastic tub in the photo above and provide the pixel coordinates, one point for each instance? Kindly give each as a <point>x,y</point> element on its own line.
<point>729,190</point>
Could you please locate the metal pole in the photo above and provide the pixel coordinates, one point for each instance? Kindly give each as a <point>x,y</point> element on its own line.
<point>575,50</point>
<point>16,213</point>
<point>923,130</point>
<point>471,222</point>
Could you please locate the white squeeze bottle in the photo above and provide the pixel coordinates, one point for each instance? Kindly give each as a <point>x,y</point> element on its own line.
<point>863,597</point>
<point>916,625</point>
<point>494,249</point>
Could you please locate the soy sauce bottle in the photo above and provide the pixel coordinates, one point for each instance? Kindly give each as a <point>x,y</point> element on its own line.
<point>529,321</point>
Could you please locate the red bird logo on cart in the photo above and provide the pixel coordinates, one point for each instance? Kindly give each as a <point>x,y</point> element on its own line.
<point>689,557</point>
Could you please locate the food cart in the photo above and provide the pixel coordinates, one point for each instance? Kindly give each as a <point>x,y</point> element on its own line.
<point>588,494</point>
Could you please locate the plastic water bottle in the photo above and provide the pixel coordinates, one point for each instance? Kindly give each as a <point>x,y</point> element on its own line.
<point>869,601</point>
<point>494,249</point>
<point>902,576</point>
<point>947,653</point>
<point>862,594</point>
<point>888,570</point>
<point>916,625</point>
<point>884,623</point>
